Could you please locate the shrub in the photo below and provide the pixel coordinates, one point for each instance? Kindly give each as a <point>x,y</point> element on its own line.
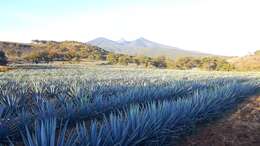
<point>3,58</point>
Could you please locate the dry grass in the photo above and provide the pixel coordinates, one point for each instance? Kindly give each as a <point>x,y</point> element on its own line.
<point>246,63</point>
<point>241,128</point>
<point>5,68</point>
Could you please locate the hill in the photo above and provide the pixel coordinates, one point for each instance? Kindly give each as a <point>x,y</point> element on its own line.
<point>65,50</point>
<point>143,46</point>
<point>245,63</point>
<point>15,50</point>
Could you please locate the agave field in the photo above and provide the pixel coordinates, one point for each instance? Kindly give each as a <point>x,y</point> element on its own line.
<point>98,106</point>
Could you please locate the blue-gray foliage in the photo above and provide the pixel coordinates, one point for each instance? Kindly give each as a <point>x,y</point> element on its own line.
<point>144,111</point>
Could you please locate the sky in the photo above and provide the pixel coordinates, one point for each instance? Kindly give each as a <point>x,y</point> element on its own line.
<point>222,27</point>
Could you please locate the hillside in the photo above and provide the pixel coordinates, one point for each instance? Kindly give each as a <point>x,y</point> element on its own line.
<point>250,62</point>
<point>143,46</point>
<point>15,50</point>
<point>64,50</point>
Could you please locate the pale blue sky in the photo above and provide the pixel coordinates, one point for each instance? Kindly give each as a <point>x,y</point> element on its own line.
<point>226,27</point>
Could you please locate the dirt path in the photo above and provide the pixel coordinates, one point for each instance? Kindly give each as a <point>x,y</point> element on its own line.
<point>241,128</point>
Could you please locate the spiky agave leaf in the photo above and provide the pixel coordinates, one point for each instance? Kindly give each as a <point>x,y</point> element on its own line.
<point>173,119</point>
<point>116,96</point>
<point>45,133</point>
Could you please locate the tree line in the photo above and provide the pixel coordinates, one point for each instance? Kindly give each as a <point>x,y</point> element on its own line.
<point>49,51</point>
<point>182,63</point>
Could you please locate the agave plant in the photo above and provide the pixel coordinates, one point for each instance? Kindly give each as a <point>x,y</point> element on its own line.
<point>76,109</point>
<point>48,133</point>
<point>166,122</point>
<point>111,98</point>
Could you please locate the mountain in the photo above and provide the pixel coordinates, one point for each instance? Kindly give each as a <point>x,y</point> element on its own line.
<point>122,41</point>
<point>142,46</point>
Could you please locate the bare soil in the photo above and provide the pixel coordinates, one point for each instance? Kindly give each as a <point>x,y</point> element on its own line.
<point>5,68</point>
<point>240,128</point>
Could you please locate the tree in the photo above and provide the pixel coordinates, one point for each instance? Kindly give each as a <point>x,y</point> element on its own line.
<point>3,58</point>
<point>216,63</point>
<point>159,62</point>
<point>170,63</point>
<point>136,60</point>
<point>32,57</point>
<point>187,63</point>
<point>209,63</point>
<point>146,61</point>
<point>96,56</point>
<point>112,58</point>
<point>223,65</point>
<point>124,60</point>
<point>37,57</point>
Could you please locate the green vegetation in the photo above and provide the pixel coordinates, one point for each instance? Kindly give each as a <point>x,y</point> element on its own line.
<point>183,63</point>
<point>47,51</point>
<point>41,51</point>
<point>214,63</point>
<point>112,58</point>
<point>67,51</point>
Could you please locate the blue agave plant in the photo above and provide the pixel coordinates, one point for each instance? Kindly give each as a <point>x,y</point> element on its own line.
<point>164,123</point>
<point>45,133</point>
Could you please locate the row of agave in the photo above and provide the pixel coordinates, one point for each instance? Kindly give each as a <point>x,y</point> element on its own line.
<point>151,123</point>
<point>20,105</point>
<point>59,106</point>
<point>114,73</point>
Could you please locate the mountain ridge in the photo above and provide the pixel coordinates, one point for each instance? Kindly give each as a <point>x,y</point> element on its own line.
<point>143,46</point>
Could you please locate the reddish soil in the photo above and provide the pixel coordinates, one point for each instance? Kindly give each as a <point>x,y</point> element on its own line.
<point>240,128</point>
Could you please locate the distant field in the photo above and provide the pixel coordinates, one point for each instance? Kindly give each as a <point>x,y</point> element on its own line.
<point>79,104</point>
